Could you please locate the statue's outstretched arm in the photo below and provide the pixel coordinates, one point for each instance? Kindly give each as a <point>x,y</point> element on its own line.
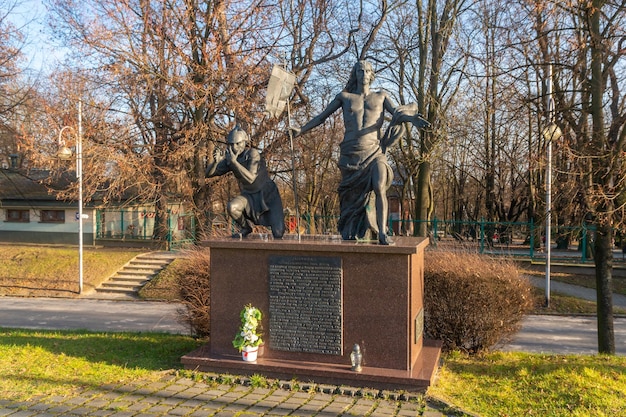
<point>401,114</point>
<point>409,113</point>
<point>332,107</point>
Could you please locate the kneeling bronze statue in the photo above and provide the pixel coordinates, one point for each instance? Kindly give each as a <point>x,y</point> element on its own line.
<point>259,202</point>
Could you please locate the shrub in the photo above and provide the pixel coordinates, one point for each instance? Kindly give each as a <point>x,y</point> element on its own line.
<point>195,293</point>
<point>472,301</point>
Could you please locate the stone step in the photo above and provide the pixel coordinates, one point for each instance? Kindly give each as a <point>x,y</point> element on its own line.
<point>118,291</point>
<point>116,278</point>
<point>127,285</point>
<point>139,271</point>
<point>152,263</point>
<point>136,273</point>
<point>156,257</point>
<point>167,256</point>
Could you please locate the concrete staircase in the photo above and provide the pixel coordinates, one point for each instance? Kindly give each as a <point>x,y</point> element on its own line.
<point>135,274</point>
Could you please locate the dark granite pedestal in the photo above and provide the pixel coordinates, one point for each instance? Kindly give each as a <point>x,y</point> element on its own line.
<point>320,297</point>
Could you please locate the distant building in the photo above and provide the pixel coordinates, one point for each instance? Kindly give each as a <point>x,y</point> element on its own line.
<point>30,212</point>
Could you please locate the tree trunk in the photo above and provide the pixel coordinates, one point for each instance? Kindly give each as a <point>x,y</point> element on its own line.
<point>604,286</point>
<point>422,199</point>
<point>203,211</point>
<point>161,226</point>
<point>604,235</point>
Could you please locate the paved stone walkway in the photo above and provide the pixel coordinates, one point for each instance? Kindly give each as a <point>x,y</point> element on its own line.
<point>563,335</point>
<point>181,396</point>
<point>576,291</point>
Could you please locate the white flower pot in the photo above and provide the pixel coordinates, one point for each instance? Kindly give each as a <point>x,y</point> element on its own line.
<point>249,353</point>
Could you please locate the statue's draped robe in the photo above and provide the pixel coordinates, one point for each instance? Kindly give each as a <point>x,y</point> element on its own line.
<point>356,196</point>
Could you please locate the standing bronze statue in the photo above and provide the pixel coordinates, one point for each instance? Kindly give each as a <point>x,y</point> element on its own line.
<point>259,202</point>
<point>365,173</point>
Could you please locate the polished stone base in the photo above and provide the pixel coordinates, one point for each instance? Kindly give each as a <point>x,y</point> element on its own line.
<point>419,379</point>
<point>381,309</point>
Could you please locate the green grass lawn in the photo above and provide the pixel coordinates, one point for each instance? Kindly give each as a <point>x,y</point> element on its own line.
<point>521,384</point>
<point>47,271</point>
<point>53,362</point>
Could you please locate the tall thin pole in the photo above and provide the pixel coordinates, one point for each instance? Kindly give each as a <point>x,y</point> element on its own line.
<point>549,186</point>
<point>79,173</point>
<point>293,173</point>
<point>293,155</point>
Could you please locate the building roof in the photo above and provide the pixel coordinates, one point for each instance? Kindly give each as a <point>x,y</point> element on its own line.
<point>36,187</point>
<point>19,187</point>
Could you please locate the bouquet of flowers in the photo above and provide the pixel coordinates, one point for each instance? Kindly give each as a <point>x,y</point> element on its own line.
<point>249,333</point>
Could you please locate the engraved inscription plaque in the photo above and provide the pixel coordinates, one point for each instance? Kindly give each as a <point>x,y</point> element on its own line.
<point>306,304</point>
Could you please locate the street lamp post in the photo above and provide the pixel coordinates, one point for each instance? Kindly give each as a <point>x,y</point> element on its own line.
<point>550,133</point>
<point>66,153</point>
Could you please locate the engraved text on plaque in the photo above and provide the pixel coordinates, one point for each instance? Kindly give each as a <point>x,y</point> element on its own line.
<point>306,304</point>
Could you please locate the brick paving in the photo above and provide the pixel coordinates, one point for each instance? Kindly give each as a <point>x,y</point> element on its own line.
<point>182,396</point>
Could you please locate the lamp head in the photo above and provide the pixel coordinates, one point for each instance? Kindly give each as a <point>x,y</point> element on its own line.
<point>64,153</point>
<point>552,132</point>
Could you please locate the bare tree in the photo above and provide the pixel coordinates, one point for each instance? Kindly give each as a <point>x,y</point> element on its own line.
<point>609,171</point>
<point>425,68</point>
<point>178,74</point>
<point>15,91</point>
<point>11,44</point>
<point>592,110</point>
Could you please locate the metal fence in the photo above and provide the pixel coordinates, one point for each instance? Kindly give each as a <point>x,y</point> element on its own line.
<point>517,239</point>
<point>137,224</point>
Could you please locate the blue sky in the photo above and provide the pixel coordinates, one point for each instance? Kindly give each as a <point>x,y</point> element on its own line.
<point>29,17</point>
